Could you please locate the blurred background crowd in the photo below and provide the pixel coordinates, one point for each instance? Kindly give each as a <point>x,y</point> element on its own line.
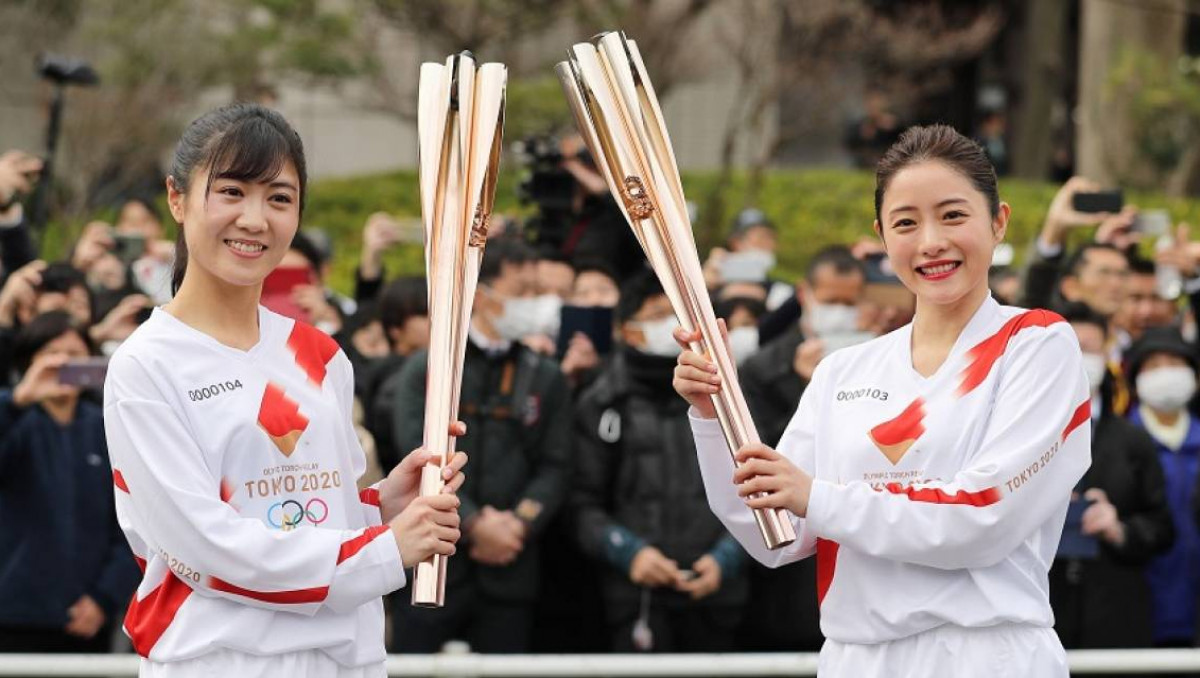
<point>586,525</point>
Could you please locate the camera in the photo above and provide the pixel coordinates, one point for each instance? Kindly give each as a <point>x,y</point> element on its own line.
<point>548,187</point>
<point>66,71</point>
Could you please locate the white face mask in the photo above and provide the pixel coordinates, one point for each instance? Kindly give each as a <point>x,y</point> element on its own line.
<point>1166,389</point>
<point>828,319</point>
<point>517,318</point>
<point>744,342</point>
<point>1096,367</point>
<point>660,337</point>
<point>547,314</point>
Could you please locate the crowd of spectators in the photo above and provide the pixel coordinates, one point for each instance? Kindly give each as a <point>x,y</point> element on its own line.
<point>585,523</point>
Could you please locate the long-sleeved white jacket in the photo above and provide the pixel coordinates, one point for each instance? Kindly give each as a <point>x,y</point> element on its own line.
<point>235,476</point>
<point>936,500</point>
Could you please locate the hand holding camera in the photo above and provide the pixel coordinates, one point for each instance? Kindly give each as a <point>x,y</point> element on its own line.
<point>18,174</point>
<point>1069,209</point>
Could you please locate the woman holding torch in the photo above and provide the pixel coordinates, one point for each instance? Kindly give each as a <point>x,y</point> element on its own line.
<point>930,469</point>
<point>233,454</point>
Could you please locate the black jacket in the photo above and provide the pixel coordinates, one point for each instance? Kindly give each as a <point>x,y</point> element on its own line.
<point>517,409</point>
<point>1105,603</point>
<point>380,383</point>
<point>638,482</point>
<point>771,385</point>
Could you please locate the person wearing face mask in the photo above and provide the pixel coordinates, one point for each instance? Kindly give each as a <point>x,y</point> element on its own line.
<point>773,381</point>
<point>741,318</point>
<point>517,406</point>
<point>673,577</point>
<point>1162,367</point>
<point>1126,517</point>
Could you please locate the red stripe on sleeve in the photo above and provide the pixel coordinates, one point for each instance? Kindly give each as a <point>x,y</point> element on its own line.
<point>119,481</point>
<point>369,496</point>
<point>352,547</point>
<point>827,552</point>
<point>1082,414</point>
<point>986,353</point>
<point>148,619</point>
<point>296,597</point>
<point>933,495</point>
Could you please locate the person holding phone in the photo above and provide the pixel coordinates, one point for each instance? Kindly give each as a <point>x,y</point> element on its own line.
<point>235,459</point>
<point>930,469</point>
<point>65,570</point>
<point>1123,521</point>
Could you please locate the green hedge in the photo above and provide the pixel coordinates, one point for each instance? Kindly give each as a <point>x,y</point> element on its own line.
<point>812,208</point>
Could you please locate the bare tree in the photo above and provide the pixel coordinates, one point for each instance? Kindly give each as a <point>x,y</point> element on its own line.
<point>801,51</point>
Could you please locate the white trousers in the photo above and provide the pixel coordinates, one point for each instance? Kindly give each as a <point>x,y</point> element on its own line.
<point>228,664</point>
<point>1006,651</point>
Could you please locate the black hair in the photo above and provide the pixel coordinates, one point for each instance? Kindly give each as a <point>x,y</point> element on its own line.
<point>596,266</point>
<point>1079,313</point>
<point>244,142</point>
<point>839,257</point>
<point>61,276</point>
<point>42,330</point>
<point>503,250</point>
<point>401,299</point>
<point>944,144</point>
<point>546,252</point>
<point>727,307</point>
<point>1076,260</point>
<point>306,247</point>
<point>1139,265</point>
<point>635,292</point>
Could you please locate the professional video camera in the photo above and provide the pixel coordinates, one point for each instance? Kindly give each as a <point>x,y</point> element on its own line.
<point>547,186</point>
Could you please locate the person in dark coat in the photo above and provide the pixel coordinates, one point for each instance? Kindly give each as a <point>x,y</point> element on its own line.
<point>517,408</point>
<point>66,570</point>
<point>785,599</point>
<point>1105,602</point>
<point>673,577</point>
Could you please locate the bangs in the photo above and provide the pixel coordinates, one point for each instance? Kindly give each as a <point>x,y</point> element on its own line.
<point>252,151</point>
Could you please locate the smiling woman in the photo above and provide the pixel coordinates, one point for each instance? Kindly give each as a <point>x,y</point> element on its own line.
<point>213,394</point>
<point>935,512</point>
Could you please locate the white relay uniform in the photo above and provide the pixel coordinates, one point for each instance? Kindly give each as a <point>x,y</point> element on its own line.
<point>235,481</point>
<point>938,502</point>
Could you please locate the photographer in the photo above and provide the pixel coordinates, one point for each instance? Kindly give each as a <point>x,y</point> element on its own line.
<point>1126,522</point>
<point>18,173</point>
<point>65,567</point>
<point>576,214</point>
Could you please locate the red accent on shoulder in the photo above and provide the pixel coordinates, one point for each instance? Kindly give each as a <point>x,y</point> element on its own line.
<point>827,552</point>
<point>119,481</point>
<point>313,350</point>
<point>148,619</point>
<point>986,353</point>
<point>1082,414</point>
<point>933,495</point>
<point>370,496</point>
<point>141,562</point>
<point>908,425</point>
<point>351,548</point>
<point>280,417</point>
<point>296,597</point>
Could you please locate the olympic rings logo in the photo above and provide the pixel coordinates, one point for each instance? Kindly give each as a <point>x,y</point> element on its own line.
<point>288,514</point>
